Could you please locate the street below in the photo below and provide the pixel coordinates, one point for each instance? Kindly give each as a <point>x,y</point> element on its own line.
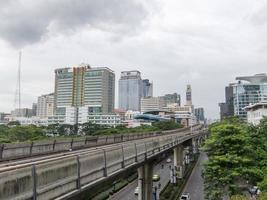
<point>195,183</point>
<point>127,193</point>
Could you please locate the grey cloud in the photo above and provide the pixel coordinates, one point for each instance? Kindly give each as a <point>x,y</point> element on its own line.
<point>26,22</point>
<point>260,17</point>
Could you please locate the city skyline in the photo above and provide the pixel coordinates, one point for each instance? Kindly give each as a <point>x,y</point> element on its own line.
<point>205,44</point>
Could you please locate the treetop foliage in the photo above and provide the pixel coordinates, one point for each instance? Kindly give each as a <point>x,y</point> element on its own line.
<point>14,132</point>
<point>237,158</point>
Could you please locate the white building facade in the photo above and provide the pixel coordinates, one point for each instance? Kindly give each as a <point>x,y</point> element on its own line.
<point>256,112</point>
<point>152,104</point>
<point>45,106</point>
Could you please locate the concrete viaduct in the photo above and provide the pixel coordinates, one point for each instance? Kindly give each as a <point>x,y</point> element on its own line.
<point>65,169</point>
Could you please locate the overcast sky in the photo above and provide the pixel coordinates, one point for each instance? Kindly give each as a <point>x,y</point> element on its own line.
<point>205,43</point>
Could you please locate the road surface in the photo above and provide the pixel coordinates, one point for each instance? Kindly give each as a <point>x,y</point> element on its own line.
<point>127,193</point>
<point>195,184</point>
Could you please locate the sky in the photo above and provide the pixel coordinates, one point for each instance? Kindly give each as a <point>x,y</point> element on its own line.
<point>173,43</point>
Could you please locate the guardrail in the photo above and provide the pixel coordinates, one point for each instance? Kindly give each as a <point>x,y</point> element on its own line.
<point>11,151</point>
<point>62,177</point>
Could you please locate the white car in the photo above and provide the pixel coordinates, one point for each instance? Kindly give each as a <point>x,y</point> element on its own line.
<point>168,160</point>
<point>136,191</point>
<point>185,197</point>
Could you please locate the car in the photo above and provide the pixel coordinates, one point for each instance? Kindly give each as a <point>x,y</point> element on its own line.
<point>168,160</point>
<point>185,196</point>
<point>136,191</point>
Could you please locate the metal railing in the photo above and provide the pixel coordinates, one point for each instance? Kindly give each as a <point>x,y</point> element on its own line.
<point>11,151</point>
<point>67,175</point>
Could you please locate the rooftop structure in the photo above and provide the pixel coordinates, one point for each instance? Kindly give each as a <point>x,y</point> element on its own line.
<point>256,79</point>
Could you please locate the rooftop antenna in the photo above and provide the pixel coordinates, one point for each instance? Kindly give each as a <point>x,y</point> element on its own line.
<point>18,88</point>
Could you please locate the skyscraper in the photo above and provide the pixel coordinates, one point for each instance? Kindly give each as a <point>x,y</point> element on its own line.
<point>130,90</point>
<point>81,91</point>
<point>227,107</point>
<point>147,88</point>
<point>188,95</point>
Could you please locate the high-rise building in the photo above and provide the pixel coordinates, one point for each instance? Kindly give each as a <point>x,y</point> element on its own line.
<point>83,91</point>
<point>147,88</point>
<point>45,105</point>
<point>34,109</point>
<point>188,95</point>
<point>199,113</point>
<point>172,99</point>
<point>152,104</point>
<point>227,107</point>
<point>248,90</point>
<point>130,90</point>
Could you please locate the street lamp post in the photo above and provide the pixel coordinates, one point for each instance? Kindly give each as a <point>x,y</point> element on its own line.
<point>155,179</point>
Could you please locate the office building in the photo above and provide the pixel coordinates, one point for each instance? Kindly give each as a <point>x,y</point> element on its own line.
<point>130,90</point>
<point>199,113</point>
<point>34,109</point>
<point>45,106</point>
<point>256,112</point>
<point>22,112</point>
<point>147,88</point>
<point>152,104</point>
<point>184,115</point>
<point>172,99</point>
<point>83,91</point>
<point>227,107</point>
<point>248,90</point>
<point>188,95</point>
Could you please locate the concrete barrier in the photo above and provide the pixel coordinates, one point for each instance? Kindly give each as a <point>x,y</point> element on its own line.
<point>53,178</point>
<point>27,149</point>
<point>16,184</point>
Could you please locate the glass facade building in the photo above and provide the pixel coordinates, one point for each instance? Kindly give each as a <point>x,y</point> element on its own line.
<point>249,90</point>
<point>130,90</point>
<point>147,88</point>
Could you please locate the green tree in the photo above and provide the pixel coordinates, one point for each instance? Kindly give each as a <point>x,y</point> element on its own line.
<point>25,133</point>
<point>167,125</point>
<point>230,158</point>
<point>238,197</point>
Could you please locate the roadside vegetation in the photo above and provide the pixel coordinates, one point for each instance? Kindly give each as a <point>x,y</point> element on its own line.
<point>237,159</point>
<point>14,132</point>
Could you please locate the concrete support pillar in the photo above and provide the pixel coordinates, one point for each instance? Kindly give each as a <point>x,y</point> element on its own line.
<point>195,145</point>
<point>178,160</point>
<point>145,183</point>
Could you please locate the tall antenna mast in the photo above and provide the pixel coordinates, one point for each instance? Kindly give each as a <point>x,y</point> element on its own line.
<point>18,89</point>
<point>19,80</point>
